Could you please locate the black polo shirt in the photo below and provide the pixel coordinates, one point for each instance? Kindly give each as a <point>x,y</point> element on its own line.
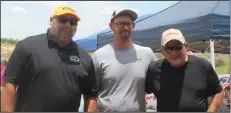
<point>49,77</point>
<point>183,89</point>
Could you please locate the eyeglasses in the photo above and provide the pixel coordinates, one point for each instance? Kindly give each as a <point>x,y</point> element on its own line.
<point>64,20</point>
<point>169,49</point>
<point>123,24</point>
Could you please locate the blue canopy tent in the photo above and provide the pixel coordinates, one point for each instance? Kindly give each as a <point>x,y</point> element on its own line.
<point>90,43</point>
<point>200,21</point>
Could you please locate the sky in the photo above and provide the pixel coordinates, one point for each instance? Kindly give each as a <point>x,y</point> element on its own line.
<point>20,19</point>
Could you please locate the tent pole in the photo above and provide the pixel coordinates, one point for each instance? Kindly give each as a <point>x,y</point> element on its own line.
<point>212,59</point>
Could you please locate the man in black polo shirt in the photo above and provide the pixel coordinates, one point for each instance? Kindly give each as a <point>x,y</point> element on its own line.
<point>182,83</point>
<point>49,72</point>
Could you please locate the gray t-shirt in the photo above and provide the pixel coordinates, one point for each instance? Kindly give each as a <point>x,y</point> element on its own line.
<point>122,76</point>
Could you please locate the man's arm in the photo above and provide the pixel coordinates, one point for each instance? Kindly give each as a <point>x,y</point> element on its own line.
<point>8,97</point>
<point>190,53</point>
<point>152,81</point>
<point>90,99</point>
<point>150,72</point>
<point>216,102</point>
<point>90,104</point>
<point>214,90</point>
<point>15,66</point>
<point>149,80</point>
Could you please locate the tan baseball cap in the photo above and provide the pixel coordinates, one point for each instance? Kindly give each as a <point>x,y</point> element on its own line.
<point>116,13</point>
<point>172,34</point>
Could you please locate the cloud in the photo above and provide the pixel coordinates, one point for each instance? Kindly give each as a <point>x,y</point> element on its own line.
<point>18,9</point>
<point>109,10</point>
<point>95,16</point>
<point>54,4</point>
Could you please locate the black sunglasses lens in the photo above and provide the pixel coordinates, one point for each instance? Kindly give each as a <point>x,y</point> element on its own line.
<point>63,20</point>
<point>169,48</point>
<point>177,48</point>
<point>73,22</point>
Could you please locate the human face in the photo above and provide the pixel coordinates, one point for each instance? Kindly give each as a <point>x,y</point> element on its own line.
<point>175,52</point>
<point>122,26</point>
<point>64,26</point>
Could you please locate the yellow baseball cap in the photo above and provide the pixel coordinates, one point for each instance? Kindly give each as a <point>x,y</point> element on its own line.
<point>65,10</point>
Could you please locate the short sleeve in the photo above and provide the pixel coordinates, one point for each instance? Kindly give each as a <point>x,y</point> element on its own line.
<point>89,83</point>
<point>16,64</point>
<point>97,70</point>
<point>213,83</point>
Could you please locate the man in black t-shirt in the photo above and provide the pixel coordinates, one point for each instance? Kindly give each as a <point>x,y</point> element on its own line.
<point>49,71</point>
<point>182,83</point>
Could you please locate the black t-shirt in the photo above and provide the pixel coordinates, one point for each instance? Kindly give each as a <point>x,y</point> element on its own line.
<point>183,89</point>
<point>49,77</point>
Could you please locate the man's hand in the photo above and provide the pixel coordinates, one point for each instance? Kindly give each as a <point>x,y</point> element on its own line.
<point>90,104</point>
<point>8,97</point>
<point>216,102</point>
<point>190,53</point>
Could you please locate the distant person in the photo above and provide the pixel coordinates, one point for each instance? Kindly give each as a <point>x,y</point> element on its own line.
<point>182,83</point>
<point>3,68</point>
<point>121,68</point>
<point>49,70</point>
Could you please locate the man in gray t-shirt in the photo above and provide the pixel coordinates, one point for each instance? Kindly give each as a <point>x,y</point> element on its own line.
<point>121,68</point>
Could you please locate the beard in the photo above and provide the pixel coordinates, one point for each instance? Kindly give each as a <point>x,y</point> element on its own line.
<point>125,35</point>
<point>63,34</point>
<point>176,62</point>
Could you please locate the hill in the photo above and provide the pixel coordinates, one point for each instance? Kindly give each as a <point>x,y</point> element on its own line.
<point>7,46</point>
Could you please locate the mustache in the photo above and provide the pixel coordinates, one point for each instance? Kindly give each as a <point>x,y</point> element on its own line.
<point>124,31</point>
<point>66,28</point>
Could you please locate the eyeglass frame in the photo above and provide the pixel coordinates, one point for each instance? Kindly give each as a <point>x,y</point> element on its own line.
<point>122,26</point>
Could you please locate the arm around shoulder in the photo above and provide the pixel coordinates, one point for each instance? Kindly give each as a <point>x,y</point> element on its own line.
<point>149,81</point>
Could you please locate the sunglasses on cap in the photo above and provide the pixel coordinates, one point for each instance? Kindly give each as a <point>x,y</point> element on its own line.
<point>171,48</point>
<point>64,20</point>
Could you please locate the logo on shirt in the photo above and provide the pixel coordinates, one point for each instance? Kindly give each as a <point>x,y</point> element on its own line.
<point>138,59</point>
<point>225,80</point>
<point>74,58</point>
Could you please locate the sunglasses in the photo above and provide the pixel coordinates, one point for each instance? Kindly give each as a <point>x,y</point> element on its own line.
<point>64,20</point>
<point>171,48</point>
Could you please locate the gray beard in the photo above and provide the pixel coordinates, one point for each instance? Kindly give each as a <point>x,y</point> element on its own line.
<point>61,35</point>
<point>64,36</point>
